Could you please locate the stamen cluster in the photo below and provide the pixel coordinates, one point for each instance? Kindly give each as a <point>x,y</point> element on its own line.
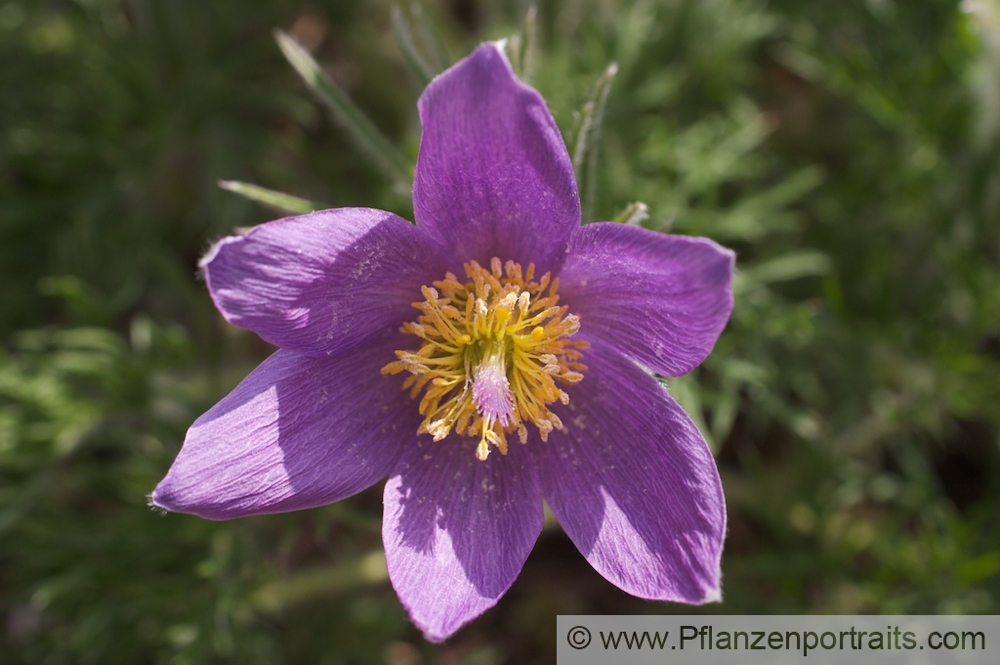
<point>493,350</point>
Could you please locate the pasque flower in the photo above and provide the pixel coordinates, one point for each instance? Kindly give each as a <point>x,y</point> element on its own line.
<point>485,359</point>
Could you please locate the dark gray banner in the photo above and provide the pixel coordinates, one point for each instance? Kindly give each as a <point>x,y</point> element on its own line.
<point>748,640</point>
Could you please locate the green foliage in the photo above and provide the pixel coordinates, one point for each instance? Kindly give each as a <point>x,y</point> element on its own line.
<point>849,152</point>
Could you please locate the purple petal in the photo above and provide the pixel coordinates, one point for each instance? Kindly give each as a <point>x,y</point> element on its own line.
<point>324,282</point>
<point>660,299</point>
<point>298,432</point>
<point>634,485</point>
<point>457,530</point>
<point>493,176</point>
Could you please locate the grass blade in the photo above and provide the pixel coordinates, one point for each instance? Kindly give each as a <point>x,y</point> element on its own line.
<point>431,37</point>
<point>272,199</point>
<point>366,136</point>
<point>585,138</point>
<point>404,38</point>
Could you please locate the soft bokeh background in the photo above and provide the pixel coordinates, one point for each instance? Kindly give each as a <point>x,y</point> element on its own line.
<point>848,151</point>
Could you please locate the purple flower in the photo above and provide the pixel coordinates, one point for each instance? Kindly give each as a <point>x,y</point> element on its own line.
<point>514,380</point>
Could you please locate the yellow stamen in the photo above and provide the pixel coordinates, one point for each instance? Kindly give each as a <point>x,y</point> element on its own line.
<point>492,350</point>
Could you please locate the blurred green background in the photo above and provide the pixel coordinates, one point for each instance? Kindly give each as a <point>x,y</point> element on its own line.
<point>848,151</point>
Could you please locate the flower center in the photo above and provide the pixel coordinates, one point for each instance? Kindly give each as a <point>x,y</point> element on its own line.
<point>492,353</point>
